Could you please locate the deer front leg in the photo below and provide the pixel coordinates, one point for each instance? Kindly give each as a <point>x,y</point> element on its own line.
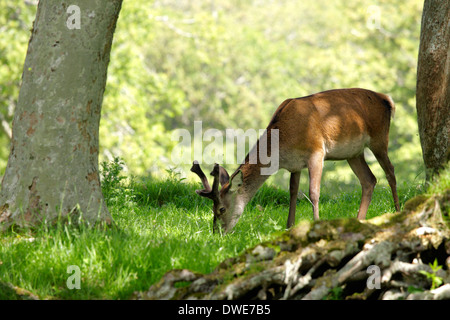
<point>293,191</point>
<point>315,167</point>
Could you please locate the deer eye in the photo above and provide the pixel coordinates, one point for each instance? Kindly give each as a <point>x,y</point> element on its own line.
<point>222,210</point>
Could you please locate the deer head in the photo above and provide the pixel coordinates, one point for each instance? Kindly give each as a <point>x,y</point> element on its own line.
<point>227,207</point>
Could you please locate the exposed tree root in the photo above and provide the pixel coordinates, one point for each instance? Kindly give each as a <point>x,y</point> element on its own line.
<point>16,293</point>
<point>387,257</point>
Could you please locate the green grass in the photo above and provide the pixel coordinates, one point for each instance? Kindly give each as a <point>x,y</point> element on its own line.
<point>160,225</point>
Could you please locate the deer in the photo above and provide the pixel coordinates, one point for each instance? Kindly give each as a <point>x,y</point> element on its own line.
<point>330,125</point>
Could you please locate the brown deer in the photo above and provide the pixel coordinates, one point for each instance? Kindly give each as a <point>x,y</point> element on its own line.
<point>330,125</point>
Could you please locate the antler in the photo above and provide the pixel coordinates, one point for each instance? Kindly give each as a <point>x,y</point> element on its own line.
<point>208,192</point>
<point>215,173</point>
<point>196,169</point>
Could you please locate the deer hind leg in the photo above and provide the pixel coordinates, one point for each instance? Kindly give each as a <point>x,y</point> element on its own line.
<point>388,169</point>
<point>315,167</point>
<point>367,180</point>
<point>293,191</point>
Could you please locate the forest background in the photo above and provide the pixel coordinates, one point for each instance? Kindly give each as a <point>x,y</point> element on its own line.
<point>230,63</point>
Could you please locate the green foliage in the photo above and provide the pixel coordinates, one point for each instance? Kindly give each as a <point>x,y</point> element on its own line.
<point>441,182</point>
<point>436,281</point>
<point>335,294</point>
<point>230,64</point>
<point>111,178</point>
<point>15,24</point>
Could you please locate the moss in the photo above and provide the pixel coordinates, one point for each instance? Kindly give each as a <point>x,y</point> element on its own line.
<point>326,279</point>
<point>414,203</point>
<point>300,231</point>
<point>182,284</point>
<point>445,207</point>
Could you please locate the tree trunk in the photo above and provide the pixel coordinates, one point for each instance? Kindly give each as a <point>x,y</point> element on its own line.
<point>433,85</point>
<point>52,169</point>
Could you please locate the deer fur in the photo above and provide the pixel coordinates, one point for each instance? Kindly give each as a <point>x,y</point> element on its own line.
<point>331,125</point>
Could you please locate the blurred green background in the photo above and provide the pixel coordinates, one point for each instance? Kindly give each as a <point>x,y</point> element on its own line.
<point>230,63</point>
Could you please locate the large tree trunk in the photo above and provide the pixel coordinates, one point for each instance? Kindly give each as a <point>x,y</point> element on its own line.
<point>52,169</point>
<point>433,85</point>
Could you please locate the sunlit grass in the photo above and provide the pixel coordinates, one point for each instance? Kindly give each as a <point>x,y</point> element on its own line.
<point>160,225</point>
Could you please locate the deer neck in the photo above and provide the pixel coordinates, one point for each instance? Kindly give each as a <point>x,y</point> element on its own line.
<point>260,163</point>
<point>252,181</point>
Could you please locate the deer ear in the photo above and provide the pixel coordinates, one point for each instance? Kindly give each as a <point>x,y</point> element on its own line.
<point>236,181</point>
<point>224,177</point>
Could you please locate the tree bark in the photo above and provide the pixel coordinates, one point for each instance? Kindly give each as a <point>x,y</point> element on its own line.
<point>52,169</point>
<point>433,85</point>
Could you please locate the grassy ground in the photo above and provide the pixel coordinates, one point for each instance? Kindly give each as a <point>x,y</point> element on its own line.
<point>160,225</point>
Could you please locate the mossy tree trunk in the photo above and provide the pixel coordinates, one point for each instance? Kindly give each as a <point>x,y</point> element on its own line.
<point>433,85</point>
<point>52,168</point>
